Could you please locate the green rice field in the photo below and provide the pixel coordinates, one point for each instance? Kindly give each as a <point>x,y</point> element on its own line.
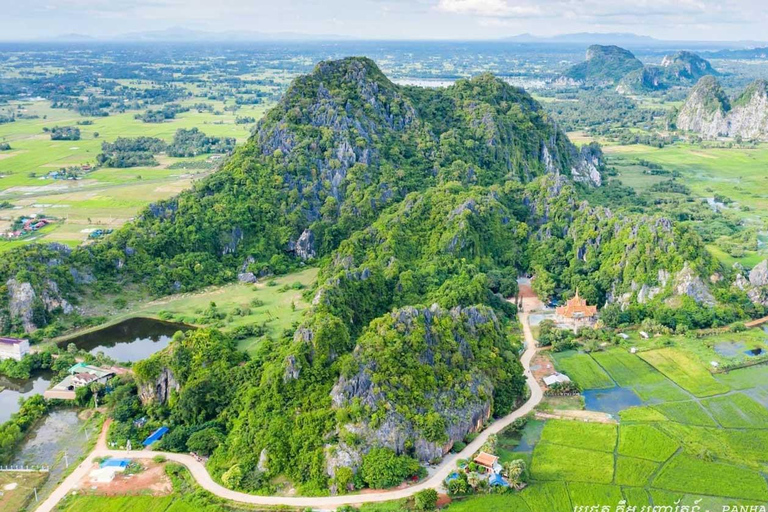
<point>105,198</point>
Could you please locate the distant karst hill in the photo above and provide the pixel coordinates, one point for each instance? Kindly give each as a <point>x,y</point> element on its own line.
<point>604,66</point>
<point>676,70</point>
<point>710,113</point>
<point>608,66</point>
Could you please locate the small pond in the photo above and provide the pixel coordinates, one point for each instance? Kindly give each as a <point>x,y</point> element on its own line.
<point>754,352</point>
<point>130,340</point>
<point>61,432</point>
<point>729,348</point>
<point>11,390</point>
<point>531,436</point>
<point>610,401</point>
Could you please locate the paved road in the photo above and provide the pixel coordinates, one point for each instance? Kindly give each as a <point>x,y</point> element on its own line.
<point>205,481</point>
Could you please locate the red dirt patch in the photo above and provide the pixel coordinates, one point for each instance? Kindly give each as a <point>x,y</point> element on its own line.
<point>152,481</point>
<point>443,500</point>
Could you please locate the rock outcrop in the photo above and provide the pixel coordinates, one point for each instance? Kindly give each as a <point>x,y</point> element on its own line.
<point>709,112</point>
<point>159,389</point>
<point>676,70</point>
<point>460,410</point>
<point>22,299</point>
<point>758,276</point>
<point>688,282</point>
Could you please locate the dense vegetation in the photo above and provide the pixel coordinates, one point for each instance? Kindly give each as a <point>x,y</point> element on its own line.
<point>421,206</point>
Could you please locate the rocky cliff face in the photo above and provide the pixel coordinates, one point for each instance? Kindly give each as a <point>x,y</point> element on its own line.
<point>756,285</point>
<point>435,342</point>
<point>709,113</point>
<point>676,70</point>
<point>159,390</point>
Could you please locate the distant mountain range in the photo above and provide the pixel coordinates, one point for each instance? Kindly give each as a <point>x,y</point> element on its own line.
<point>181,34</point>
<point>628,39</point>
<point>616,38</point>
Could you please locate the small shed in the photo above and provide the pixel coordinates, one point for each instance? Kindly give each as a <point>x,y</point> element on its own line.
<point>115,463</point>
<point>556,378</point>
<point>156,435</point>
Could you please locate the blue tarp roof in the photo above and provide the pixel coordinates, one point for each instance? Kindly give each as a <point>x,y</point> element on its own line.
<point>118,463</point>
<point>156,435</point>
<point>496,479</point>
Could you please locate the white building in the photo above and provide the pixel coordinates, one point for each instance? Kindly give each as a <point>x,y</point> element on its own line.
<point>13,348</point>
<point>556,378</point>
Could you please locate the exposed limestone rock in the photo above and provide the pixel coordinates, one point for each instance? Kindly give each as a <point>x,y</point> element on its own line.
<point>263,461</point>
<point>292,369</point>
<point>710,113</point>
<point>247,277</point>
<point>398,432</point>
<point>588,165</point>
<point>159,390</point>
<point>741,282</point>
<point>304,247</point>
<point>53,300</point>
<point>687,282</point>
<point>758,276</point>
<point>22,298</point>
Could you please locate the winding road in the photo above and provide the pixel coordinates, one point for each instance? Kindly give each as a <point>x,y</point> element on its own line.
<point>200,474</point>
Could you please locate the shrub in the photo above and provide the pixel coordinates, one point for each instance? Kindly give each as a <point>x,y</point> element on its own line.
<point>425,500</point>
<point>383,468</point>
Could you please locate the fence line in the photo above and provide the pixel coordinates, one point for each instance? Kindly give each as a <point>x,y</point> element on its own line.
<point>25,469</point>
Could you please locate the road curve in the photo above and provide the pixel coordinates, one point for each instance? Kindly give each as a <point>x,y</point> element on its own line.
<point>205,481</point>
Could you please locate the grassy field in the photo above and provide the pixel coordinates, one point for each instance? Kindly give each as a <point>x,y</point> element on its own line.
<point>563,463</point>
<point>591,436</point>
<point>735,173</point>
<point>646,442</point>
<point>276,302</point>
<point>689,413</point>
<point>737,411</point>
<point>105,198</point>
<point>627,369</point>
<point>739,174</point>
<point>634,472</point>
<point>684,371</point>
<point>582,369</point>
<point>17,489</point>
<point>690,474</point>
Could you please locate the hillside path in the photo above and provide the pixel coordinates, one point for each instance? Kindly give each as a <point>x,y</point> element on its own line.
<point>200,474</point>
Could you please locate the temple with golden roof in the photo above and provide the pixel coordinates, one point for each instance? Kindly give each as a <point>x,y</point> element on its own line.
<point>576,313</point>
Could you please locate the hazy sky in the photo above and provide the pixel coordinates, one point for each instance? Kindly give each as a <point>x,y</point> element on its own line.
<point>392,19</point>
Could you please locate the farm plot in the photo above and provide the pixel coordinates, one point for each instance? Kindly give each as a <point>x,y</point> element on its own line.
<point>634,472</point>
<point>590,494</point>
<point>550,496</point>
<point>737,411</point>
<point>583,370</point>
<point>689,413</point>
<point>645,442</point>
<point>555,462</point>
<point>627,369</point>
<point>589,436</point>
<point>689,474</point>
<point>687,372</point>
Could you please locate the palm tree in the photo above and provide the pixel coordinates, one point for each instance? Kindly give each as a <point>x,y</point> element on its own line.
<point>514,470</point>
<point>473,479</point>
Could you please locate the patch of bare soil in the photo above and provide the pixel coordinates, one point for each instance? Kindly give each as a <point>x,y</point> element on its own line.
<point>152,481</point>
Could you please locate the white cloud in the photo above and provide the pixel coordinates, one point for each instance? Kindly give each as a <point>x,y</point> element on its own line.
<point>489,8</point>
